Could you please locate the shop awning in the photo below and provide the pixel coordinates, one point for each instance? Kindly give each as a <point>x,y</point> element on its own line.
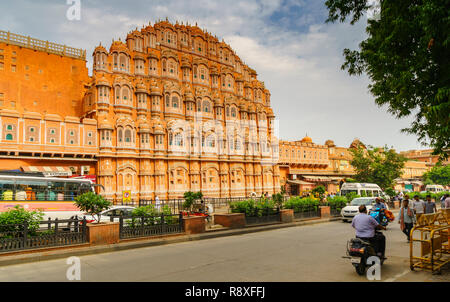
<point>299,182</point>
<point>49,170</point>
<point>317,178</point>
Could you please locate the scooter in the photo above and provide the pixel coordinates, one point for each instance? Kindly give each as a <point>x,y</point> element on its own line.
<point>359,251</point>
<point>380,216</point>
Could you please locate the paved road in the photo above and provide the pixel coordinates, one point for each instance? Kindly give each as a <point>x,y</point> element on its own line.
<point>304,253</point>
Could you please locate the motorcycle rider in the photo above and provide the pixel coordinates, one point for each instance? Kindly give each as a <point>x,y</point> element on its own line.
<point>365,226</point>
<point>379,204</point>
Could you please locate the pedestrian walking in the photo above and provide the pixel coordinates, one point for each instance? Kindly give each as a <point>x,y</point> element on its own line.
<point>430,206</point>
<point>157,203</point>
<point>447,201</point>
<point>406,219</point>
<point>418,206</point>
<point>442,200</point>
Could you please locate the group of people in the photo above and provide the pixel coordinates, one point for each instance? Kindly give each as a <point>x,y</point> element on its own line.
<point>410,214</point>
<point>365,225</point>
<point>25,193</point>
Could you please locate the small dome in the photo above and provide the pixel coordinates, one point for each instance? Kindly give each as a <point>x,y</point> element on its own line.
<point>100,48</point>
<point>330,143</point>
<point>306,139</point>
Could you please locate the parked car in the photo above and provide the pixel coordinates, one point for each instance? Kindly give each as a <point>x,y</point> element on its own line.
<point>352,209</point>
<point>105,215</point>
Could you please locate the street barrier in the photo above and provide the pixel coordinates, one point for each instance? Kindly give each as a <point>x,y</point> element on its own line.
<point>434,232</point>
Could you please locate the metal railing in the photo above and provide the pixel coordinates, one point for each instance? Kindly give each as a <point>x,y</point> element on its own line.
<point>176,205</point>
<point>264,216</point>
<point>306,212</point>
<point>36,44</point>
<point>43,234</point>
<point>148,226</point>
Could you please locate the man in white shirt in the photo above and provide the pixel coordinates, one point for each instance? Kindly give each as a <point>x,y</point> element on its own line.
<point>157,203</point>
<point>418,206</point>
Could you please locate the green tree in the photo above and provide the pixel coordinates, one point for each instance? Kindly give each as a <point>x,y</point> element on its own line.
<point>190,198</point>
<point>406,55</point>
<point>377,165</point>
<point>319,190</point>
<point>439,175</point>
<point>92,204</point>
<point>12,220</point>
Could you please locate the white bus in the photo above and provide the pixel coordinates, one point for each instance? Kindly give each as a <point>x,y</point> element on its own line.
<point>34,191</point>
<point>434,188</point>
<point>370,190</point>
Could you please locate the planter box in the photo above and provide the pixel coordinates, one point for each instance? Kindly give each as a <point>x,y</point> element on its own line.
<point>325,212</point>
<point>194,224</point>
<point>235,220</point>
<point>103,233</point>
<point>287,215</point>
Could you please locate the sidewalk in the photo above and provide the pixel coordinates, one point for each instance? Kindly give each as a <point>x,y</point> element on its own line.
<point>21,257</point>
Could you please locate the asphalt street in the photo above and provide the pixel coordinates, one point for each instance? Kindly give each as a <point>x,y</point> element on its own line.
<point>303,253</point>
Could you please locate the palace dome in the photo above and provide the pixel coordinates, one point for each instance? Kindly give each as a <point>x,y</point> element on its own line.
<point>330,143</point>
<point>306,139</point>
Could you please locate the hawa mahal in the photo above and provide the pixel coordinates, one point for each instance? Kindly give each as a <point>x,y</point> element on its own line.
<point>169,109</point>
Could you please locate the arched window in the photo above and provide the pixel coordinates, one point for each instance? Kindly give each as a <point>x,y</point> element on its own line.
<point>115,61</point>
<point>123,62</point>
<point>199,106</point>
<point>120,135</point>
<point>117,90</point>
<point>167,101</point>
<point>164,67</point>
<point>175,102</point>
<point>9,137</point>
<point>128,136</point>
<point>126,96</point>
<point>233,112</point>
<point>178,139</point>
<point>206,106</point>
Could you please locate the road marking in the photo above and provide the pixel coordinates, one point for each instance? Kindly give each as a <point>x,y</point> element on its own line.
<point>397,276</point>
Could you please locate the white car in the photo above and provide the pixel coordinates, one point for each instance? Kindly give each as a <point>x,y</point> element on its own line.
<point>352,209</point>
<point>105,215</point>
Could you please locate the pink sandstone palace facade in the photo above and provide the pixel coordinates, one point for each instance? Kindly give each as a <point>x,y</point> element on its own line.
<point>170,109</point>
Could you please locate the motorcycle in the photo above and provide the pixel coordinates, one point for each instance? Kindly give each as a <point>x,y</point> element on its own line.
<point>359,251</point>
<point>382,216</point>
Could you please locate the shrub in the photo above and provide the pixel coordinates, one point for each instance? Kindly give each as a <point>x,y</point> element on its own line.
<point>305,204</point>
<point>252,208</point>
<point>278,199</point>
<point>144,215</point>
<point>92,204</point>
<point>11,221</point>
<point>337,202</point>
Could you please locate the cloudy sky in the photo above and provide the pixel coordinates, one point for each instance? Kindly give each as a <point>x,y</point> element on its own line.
<point>287,42</point>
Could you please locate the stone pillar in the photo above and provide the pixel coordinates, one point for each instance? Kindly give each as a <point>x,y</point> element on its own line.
<point>325,212</point>
<point>287,215</point>
<point>235,220</point>
<point>103,233</point>
<point>194,224</point>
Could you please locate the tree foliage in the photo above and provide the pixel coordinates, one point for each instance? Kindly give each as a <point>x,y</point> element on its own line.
<point>377,165</point>
<point>190,198</point>
<point>406,55</point>
<point>439,175</point>
<point>92,204</point>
